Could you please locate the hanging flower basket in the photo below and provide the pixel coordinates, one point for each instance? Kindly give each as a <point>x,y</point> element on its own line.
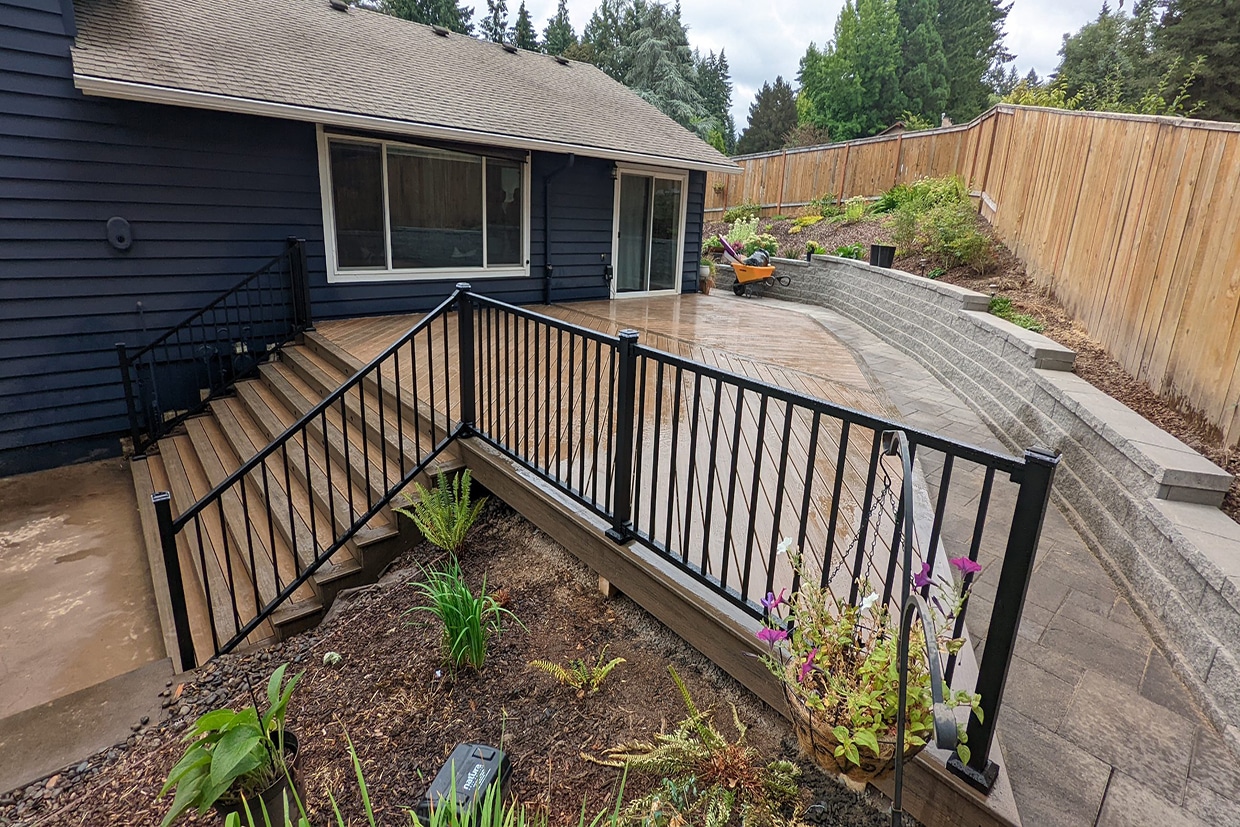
<point>818,742</point>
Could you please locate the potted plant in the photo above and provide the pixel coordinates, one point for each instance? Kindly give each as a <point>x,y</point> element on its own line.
<point>838,666</point>
<point>706,275</point>
<point>235,760</point>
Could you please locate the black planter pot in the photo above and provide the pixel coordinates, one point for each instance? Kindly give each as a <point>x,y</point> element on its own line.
<point>272,799</point>
<point>882,255</point>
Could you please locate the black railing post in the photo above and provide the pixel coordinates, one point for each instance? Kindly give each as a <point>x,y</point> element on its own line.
<point>299,277</point>
<point>465,356</point>
<point>621,530</point>
<point>1018,559</point>
<point>131,404</point>
<point>176,586</point>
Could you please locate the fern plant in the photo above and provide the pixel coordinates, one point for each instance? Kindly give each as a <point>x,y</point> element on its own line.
<point>707,778</point>
<point>444,514</point>
<point>584,677</point>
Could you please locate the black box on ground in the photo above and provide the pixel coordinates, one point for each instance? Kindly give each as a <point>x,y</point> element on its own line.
<point>463,781</point>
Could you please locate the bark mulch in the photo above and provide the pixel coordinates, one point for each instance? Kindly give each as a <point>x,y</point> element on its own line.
<point>1009,278</point>
<point>405,711</point>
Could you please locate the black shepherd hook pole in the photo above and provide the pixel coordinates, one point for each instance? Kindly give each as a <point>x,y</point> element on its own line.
<point>914,606</point>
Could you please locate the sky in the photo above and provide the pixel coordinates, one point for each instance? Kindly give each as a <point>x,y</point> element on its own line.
<point>762,45</point>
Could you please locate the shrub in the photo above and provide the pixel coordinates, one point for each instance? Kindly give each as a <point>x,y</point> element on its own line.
<point>1001,306</point>
<point>807,221</point>
<point>469,620</point>
<point>444,514</point>
<point>742,230</point>
<point>949,233</point>
<point>850,251</point>
<point>745,210</point>
<point>762,241</point>
<point>855,209</point>
<point>825,206</point>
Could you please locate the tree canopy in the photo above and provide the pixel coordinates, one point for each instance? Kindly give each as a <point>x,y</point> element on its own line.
<point>495,24</point>
<point>772,116</point>
<point>522,34</point>
<point>558,35</point>
<point>447,13</point>
<point>1209,29</point>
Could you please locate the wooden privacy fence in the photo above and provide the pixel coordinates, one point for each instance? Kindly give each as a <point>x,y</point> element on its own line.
<point>1132,221</point>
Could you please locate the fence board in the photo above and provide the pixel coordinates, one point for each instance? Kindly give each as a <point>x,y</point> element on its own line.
<point>1132,222</point>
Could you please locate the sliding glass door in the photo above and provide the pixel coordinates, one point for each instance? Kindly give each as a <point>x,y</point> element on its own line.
<point>648,225</point>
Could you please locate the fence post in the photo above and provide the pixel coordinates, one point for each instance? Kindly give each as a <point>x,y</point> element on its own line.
<point>621,530</point>
<point>299,276</point>
<point>1022,545</point>
<point>465,356</point>
<point>176,586</point>
<point>131,407</point>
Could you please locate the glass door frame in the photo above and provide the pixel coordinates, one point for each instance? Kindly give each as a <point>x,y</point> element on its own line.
<point>649,172</point>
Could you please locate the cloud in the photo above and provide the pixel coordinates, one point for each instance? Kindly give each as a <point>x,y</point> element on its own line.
<point>763,41</point>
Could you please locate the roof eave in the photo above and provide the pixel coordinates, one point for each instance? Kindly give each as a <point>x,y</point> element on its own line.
<point>150,93</point>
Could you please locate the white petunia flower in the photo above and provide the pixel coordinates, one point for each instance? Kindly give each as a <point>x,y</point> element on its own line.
<point>868,601</point>
<point>783,546</point>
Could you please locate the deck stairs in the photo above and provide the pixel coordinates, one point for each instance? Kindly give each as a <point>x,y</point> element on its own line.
<point>309,506</point>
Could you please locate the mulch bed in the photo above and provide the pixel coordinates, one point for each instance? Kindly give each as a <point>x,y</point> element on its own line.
<point>405,711</point>
<point>1009,278</point>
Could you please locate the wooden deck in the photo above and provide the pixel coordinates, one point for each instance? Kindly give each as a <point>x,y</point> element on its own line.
<point>697,498</point>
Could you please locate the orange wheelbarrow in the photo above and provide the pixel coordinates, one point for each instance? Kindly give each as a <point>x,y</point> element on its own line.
<point>749,276</point>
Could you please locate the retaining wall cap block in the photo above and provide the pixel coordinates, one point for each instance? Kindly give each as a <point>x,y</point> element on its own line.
<point>968,299</point>
<point>1053,355</point>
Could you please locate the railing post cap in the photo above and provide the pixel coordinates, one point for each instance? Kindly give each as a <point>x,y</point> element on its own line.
<point>464,285</point>
<point>1042,456</point>
<point>628,333</point>
<point>161,497</point>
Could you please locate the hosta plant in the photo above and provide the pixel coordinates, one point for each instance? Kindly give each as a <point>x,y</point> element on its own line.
<point>839,665</point>
<point>232,756</point>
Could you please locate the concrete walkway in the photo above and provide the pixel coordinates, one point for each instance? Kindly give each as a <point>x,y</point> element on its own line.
<point>1095,726</point>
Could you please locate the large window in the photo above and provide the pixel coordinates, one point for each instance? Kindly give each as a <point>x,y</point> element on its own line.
<point>403,211</point>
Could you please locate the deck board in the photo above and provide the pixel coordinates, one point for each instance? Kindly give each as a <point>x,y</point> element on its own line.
<point>537,390</point>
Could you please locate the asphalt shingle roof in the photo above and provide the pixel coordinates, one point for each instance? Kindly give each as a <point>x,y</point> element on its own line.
<point>303,53</point>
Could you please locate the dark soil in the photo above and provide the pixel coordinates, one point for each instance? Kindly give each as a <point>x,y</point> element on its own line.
<point>1009,278</point>
<point>405,711</point>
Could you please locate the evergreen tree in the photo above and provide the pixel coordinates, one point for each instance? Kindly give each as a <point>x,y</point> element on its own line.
<point>446,13</point>
<point>1209,28</point>
<point>772,117</point>
<point>608,27</point>
<point>523,35</point>
<point>923,80</point>
<point>559,34</point>
<point>714,86</point>
<point>495,24</point>
<point>972,35</point>
<point>660,64</point>
<point>853,87</point>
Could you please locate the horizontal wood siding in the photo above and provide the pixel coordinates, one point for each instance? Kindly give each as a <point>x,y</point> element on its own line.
<point>693,231</point>
<point>209,197</point>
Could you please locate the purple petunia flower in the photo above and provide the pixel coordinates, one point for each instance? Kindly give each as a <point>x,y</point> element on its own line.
<point>922,578</point>
<point>965,565</point>
<point>771,636</point>
<point>771,602</point>
<point>808,666</point>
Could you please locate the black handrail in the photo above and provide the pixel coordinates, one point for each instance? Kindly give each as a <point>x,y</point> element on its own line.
<point>210,349</point>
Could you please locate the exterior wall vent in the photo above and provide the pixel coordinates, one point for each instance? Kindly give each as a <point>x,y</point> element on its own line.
<point>439,30</point>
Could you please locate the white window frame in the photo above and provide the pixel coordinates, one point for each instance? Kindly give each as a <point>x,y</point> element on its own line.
<point>650,172</point>
<point>335,274</point>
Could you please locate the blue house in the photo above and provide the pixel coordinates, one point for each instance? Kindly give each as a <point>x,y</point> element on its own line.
<point>152,152</point>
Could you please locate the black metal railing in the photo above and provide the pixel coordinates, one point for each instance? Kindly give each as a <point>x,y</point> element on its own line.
<point>708,468</point>
<point>258,536</point>
<point>178,373</point>
<point>712,469</point>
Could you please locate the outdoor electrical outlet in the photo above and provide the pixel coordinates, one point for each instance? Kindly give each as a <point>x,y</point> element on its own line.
<point>463,781</point>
